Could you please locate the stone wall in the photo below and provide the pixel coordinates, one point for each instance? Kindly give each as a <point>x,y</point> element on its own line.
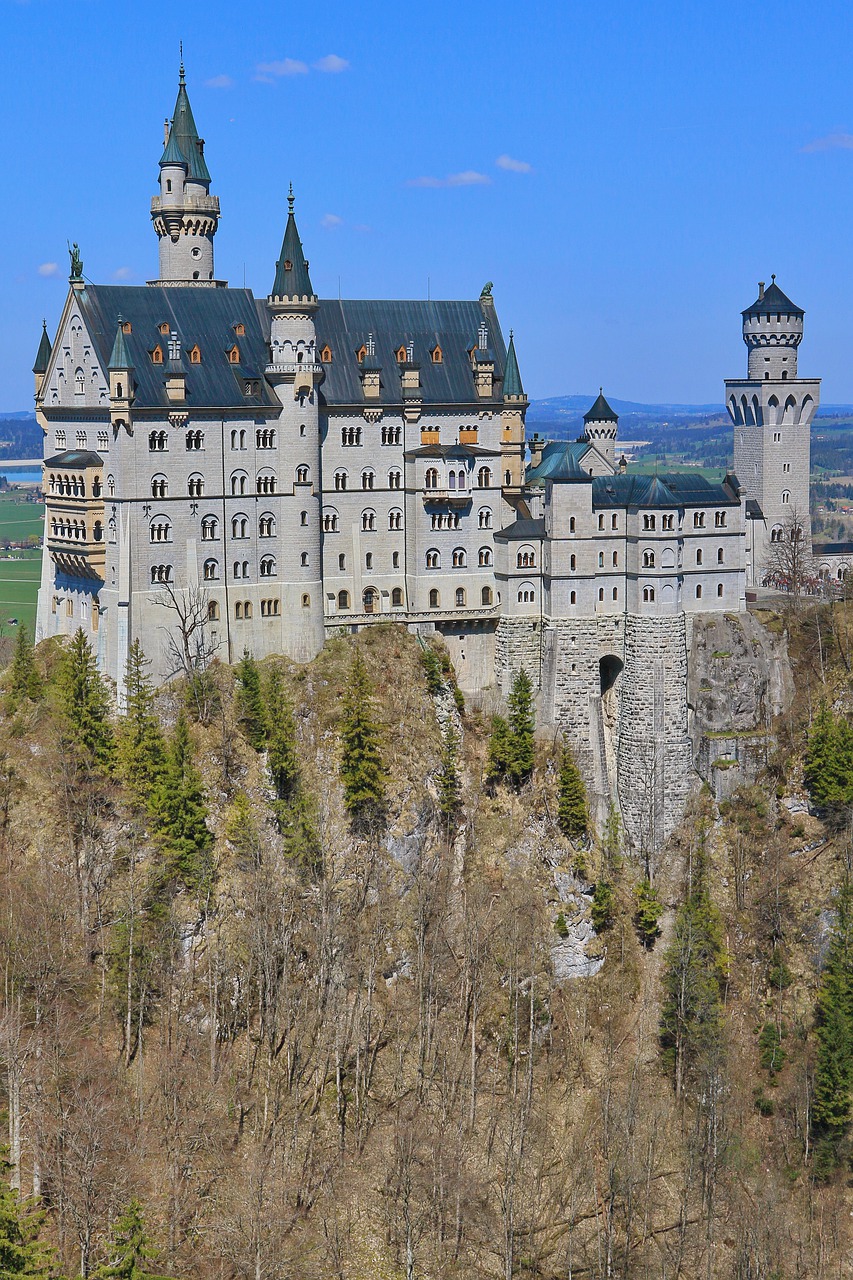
<point>518,644</point>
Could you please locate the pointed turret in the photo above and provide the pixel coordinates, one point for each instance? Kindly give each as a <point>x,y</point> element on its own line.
<point>120,370</point>
<point>512,377</point>
<point>292,280</point>
<point>43,353</point>
<point>185,214</point>
<point>119,358</point>
<point>600,411</point>
<point>600,424</point>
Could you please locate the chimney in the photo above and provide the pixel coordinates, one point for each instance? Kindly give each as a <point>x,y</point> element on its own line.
<point>165,132</point>
<point>760,290</point>
<point>623,465</point>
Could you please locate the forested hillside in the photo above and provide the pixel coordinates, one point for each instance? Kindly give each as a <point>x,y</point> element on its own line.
<point>287,956</point>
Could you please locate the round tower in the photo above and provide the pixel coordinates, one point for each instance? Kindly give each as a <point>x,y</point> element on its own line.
<point>600,425</point>
<point>185,214</point>
<point>772,331</point>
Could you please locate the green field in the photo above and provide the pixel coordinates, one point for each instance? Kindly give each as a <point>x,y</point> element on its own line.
<point>19,575</point>
<point>19,519</point>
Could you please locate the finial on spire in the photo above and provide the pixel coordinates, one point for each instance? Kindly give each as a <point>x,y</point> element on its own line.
<point>290,199</point>
<point>181,75</point>
<point>773,277</point>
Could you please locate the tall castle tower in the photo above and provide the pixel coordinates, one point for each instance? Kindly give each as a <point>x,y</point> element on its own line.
<point>185,214</point>
<point>295,374</point>
<point>772,411</point>
<point>600,425</point>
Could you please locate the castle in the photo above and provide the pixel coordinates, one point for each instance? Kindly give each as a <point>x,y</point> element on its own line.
<point>286,467</point>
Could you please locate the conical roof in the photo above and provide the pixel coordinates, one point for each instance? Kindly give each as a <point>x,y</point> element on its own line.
<point>774,302</point>
<point>291,270</point>
<point>512,377</point>
<point>120,358</point>
<point>173,153</point>
<point>184,135</point>
<point>600,411</point>
<point>43,353</point>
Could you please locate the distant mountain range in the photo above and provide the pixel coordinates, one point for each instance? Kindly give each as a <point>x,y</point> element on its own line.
<point>574,406</point>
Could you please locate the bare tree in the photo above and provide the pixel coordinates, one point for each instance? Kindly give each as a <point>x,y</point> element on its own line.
<point>189,645</point>
<point>789,563</point>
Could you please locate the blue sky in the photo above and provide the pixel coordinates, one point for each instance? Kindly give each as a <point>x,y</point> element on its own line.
<point>624,172</point>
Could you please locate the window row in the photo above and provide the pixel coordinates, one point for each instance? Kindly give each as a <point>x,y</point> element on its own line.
<point>240,568</point>
<point>459,558</point>
<point>457,479</point>
<point>72,486</point>
<point>75,530</point>
<point>266,483</point>
<point>368,479</point>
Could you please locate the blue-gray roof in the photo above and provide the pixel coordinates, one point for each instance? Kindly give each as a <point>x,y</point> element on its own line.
<point>522,530</point>
<point>600,411</point>
<point>77,459</point>
<point>291,271</point>
<point>203,316</point>
<point>512,376</point>
<point>345,325</point>
<point>119,359</point>
<point>774,302</point>
<point>185,135</point>
<point>561,460</point>
<point>679,490</point>
<point>43,353</point>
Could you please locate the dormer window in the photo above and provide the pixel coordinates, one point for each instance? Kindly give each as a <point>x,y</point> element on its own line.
<point>157,355</point>
<point>164,328</point>
<point>437,355</point>
<point>195,354</point>
<point>239,329</point>
<point>401,355</point>
<point>288,265</point>
<point>326,354</point>
<point>126,327</point>
<point>234,355</point>
<point>361,353</point>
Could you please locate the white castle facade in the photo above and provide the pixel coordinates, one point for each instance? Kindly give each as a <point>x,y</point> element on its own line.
<point>296,465</point>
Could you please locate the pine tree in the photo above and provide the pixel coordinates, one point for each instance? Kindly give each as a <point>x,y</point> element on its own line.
<point>22,1253</point>
<point>129,1248</point>
<point>84,702</point>
<point>649,910</point>
<point>141,748</point>
<point>500,751</point>
<point>522,722</point>
<point>250,702</point>
<point>290,806</point>
<point>25,681</point>
<point>448,782</point>
<point>829,760</point>
<point>362,770</point>
<point>572,816</point>
<point>181,811</point>
<point>832,1102</point>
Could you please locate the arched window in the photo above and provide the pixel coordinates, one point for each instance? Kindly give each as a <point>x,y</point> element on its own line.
<point>434,599</point>
<point>303,518</point>
<point>343,599</point>
<point>239,480</point>
<point>573,561</point>
<point>719,590</point>
<point>234,355</point>
<point>451,479</point>
<point>238,609</point>
<point>302,475</point>
<point>195,354</point>
<point>210,571</point>
<point>194,440</point>
<point>212,611</point>
<point>326,354</point>
<point>436,354</point>
<point>395,518</point>
<point>648,559</point>
<point>340,480</point>
<point>239,526</point>
<point>433,559</point>
<point>699,555</point>
<point>431,478</point>
<point>698,519</point>
<point>368,521</point>
<point>720,556</point>
<point>97,531</point>
<point>573,597</point>
<point>484,518</point>
<point>600,594</point>
<point>601,559</point>
<point>367,479</point>
<point>526,558</point>
<point>484,478</point>
<point>394,479</point>
<point>485,557</point>
<point>460,597</point>
<point>459,558</point>
<point>699,592</point>
<point>160,529</point>
<point>303,559</point>
<point>486,595</point>
<point>266,482</point>
<point>157,355</point>
<point>209,528</point>
<point>330,521</point>
<point>306,602</point>
<point>157,442</point>
<point>161,573</point>
<point>786,497</point>
<point>648,594</point>
<point>267,567</point>
<point>159,486</point>
<point>342,561</point>
<point>776,533</point>
<point>571,524</point>
<point>526,593</point>
<point>195,485</point>
<point>397,598</point>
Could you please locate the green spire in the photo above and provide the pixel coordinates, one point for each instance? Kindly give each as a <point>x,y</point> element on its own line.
<point>120,358</point>
<point>43,353</point>
<point>183,137</point>
<point>600,411</point>
<point>291,270</point>
<point>512,377</point>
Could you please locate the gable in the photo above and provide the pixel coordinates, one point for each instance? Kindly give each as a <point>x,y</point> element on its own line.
<point>75,376</point>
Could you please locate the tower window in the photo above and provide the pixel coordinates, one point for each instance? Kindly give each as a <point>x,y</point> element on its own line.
<point>326,354</point>
<point>437,355</point>
<point>195,354</point>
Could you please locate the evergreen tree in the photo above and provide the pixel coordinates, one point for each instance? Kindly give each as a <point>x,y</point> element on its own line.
<point>500,751</point>
<point>84,702</point>
<point>362,770</point>
<point>25,681</point>
<point>181,811</point>
<point>141,748</point>
<point>572,816</point>
<point>649,910</point>
<point>829,760</point>
<point>129,1249</point>
<point>22,1253</point>
<point>522,722</point>
<point>448,782</point>
<point>833,1082</point>
<point>694,980</point>
<point>250,702</point>
<point>290,806</point>
<point>603,905</point>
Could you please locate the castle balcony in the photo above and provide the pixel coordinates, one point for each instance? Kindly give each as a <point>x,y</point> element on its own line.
<point>184,204</point>
<point>290,368</point>
<point>447,497</point>
<point>79,552</point>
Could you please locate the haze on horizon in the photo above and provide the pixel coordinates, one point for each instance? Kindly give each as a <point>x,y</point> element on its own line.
<point>624,174</point>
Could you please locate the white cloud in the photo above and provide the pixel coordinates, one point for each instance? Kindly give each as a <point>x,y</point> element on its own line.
<point>468,178</point>
<point>832,142</point>
<point>219,82</point>
<point>513,166</point>
<point>49,269</point>
<point>331,63</point>
<point>268,72</point>
<point>330,220</point>
<point>122,273</point>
